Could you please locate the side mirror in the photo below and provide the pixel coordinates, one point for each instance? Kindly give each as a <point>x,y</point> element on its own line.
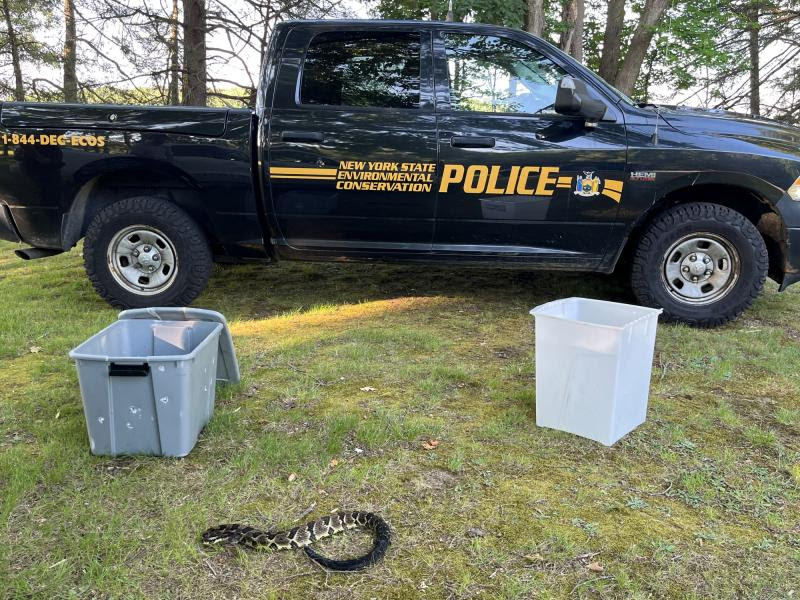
<point>572,98</point>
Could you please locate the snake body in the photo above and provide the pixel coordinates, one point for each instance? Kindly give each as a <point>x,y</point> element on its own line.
<point>305,535</point>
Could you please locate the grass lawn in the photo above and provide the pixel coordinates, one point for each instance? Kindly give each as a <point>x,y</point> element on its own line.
<point>701,501</point>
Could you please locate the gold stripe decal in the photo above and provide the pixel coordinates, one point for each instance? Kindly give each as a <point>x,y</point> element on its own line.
<point>322,177</point>
<point>302,171</point>
<point>564,182</point>
<point>613,189</point>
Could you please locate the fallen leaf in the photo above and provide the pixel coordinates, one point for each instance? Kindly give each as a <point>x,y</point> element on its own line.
<point>367,389</point>
<point>334,462</point>
<point>292,477</point>
<point>430,444</point>
<point>35,349</point>
<point>534,557</point>
<point>596,567</point>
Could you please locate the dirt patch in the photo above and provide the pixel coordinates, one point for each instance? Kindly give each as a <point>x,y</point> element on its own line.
<point>12,438</point>
<point>511,352</point>
<point>435,480</point>
<point>117,466</point>
<point>759,410</point>
<point>756,323</point>
<point>792,334</point>
<point>562,566</point>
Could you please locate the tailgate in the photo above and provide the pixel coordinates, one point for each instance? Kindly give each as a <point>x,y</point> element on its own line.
<point>178,119</point>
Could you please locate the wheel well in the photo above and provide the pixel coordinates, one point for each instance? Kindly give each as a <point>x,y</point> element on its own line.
<point>754,207</point>
<point>104,190</point>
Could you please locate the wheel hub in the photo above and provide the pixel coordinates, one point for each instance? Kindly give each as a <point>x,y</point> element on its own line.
<point>148,259</point>
<point>697,267</point>
<point>700,268</point>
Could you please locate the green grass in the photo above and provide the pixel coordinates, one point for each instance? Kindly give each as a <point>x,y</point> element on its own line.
<point>701,501</point>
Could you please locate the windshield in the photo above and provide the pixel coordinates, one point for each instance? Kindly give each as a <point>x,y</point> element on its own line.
<point>622,96</point>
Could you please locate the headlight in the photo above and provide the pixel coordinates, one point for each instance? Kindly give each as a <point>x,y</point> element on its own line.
<point>794,190</point>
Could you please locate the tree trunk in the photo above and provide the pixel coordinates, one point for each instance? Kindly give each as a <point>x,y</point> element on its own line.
<point>194,52</point>
<point>173,94</point>
<point>534,17</point>
<point>19,89</point>
<point>577,41</point>
<point>629,71</point>
<point>572,39</point>
<point>615,20</point>
<point>648,73</point>
<point>755,85</point>
<point>70,76</point>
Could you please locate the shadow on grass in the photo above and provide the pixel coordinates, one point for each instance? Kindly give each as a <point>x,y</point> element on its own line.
<point>258,291</point>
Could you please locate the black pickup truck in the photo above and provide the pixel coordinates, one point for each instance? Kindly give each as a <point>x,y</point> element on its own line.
<point>411,141</point>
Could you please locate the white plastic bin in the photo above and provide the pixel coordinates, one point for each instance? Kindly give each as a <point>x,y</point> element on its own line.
<point>593,363</point>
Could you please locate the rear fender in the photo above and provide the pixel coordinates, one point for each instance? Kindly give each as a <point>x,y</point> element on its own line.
<point>102,182</point>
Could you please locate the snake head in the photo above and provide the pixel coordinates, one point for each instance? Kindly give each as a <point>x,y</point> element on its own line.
<point>223,535</point>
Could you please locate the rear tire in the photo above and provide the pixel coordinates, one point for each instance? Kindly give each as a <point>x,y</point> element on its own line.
<point>703,263</point>
<point>145,251</point>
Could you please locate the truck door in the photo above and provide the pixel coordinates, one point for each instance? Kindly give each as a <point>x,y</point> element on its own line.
<point>352,159</point>
<point>517,178</point>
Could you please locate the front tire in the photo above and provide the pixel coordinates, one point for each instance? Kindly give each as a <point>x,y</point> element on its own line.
<point>145,251</point>
<point>703,263</point>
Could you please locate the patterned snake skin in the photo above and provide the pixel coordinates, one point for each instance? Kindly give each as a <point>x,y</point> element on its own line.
<point>305,535</point>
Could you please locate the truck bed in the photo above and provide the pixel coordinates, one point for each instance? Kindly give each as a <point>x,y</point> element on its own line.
<point>60,162</point>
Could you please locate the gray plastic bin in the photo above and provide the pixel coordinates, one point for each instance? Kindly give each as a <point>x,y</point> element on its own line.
<point>148,380</point>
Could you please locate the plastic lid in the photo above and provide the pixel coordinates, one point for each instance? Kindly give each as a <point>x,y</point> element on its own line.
<point>227,366</point>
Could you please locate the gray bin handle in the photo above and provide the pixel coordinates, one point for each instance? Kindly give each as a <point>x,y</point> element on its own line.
<point>128,369</point>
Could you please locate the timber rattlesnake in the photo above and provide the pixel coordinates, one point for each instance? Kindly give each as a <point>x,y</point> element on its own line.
<point>305,535</point>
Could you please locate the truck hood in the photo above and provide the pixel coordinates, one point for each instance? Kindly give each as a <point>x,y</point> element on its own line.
<point>715,122</point>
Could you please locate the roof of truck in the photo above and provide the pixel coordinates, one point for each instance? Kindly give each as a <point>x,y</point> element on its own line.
<point>389,22</point>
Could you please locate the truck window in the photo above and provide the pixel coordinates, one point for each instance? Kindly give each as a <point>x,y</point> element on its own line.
<point>494,74</point>
<point>352,68</point>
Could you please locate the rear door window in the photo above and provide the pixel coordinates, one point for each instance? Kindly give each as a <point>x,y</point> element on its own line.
<point>362,69</point>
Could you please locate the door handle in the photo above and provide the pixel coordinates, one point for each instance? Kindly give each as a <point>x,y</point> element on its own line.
<point>301,136</point>
<point>471,141</point>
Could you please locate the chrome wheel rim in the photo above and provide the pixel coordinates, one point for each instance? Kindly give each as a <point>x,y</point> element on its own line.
<point>143,260</point>
<point>700,268</point>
